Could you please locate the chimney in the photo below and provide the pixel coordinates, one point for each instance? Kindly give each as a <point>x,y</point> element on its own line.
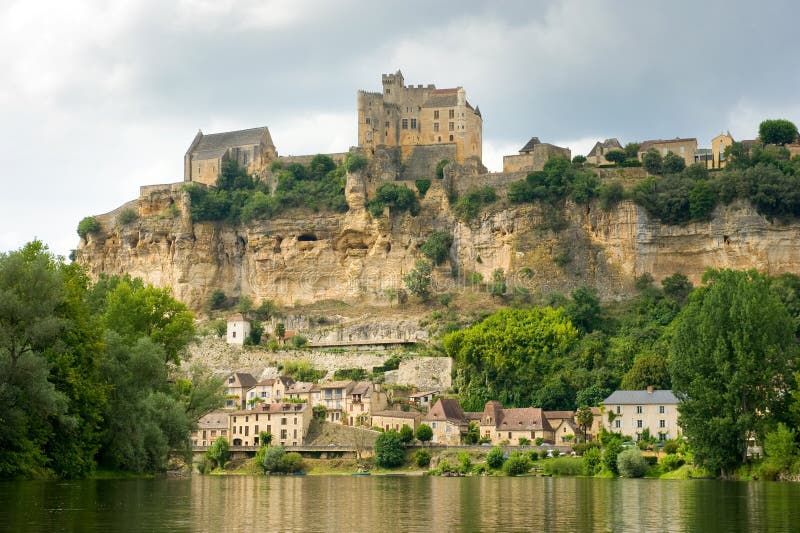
<point>650,389</point>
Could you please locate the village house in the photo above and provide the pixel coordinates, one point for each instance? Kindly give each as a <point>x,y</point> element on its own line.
<point>363,398</point>
<point>302,390</point>
<point>287,423</point>
<point>423,399</point>
<point>388,420</point>
<point>597,155</point>
<point>238,384</point>
<point>533,156</point>
<point>252,149</point>
<point>447,420</point>
<point>209,428</point>
<point>508,426</point>
<point>633,411</point>
<point>238,329</point>
<point>685,148</point>
<point>565,428</point>
<point>333,396</point>
<point>268,391</point>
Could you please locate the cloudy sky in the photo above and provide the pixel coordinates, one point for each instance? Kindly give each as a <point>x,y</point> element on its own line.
<point>99,97</point>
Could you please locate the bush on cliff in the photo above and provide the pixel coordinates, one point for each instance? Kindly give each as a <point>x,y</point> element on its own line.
<point>88,225</point>
<point>396,197</point>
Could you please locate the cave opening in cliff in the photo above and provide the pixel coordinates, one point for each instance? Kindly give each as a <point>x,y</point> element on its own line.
<point>307,237</point>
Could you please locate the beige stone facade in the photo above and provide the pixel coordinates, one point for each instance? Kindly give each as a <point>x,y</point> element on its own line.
<point>718,146</point>
<point>237,384</point>
<point>394,420</point>
<point>533,156</point>
<point>209,428</point>
<point>408,116</point>
<point>685,148</point>
<point>363,399</point>
<point>268,391</point>
<point>596,155</point>
<point>508,426</point>
<point>287,423</point>
<point>252,149</point>
<point>631,412</point>
<point>447,420</point>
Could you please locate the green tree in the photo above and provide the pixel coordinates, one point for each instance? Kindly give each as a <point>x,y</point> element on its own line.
<point>389,449</point>
<point>611,451</point>
<point>424,433</point>
<point>440,168</point>
<point>677,287</point>
<point>506,356</point>
<point>630,463</point>
<point>88,225</point>
<point>419,280</point>
<point>616,156</point>
<point>780,446</point>
<point>217,299</point>
<point>406,434</point>
<point>437,246</point>
<point>280,330</point>
<point>291,462</point>
<point>473,434</point>
<point>496,457</point>
<point>702,200</point>
<point>673,163</point>
<point>584,309</point>
<point>218,453</point>
<point>777,131</point>
<point>579,160</point>
<point>730,351</point>
<point>422,458</point>
<point>592,461</point>
<point>648,370</point>
<point>422,186</point>
<point>271,459</point>
<point>652,161</point>
<point>632,150</point>
<point>584,417</point>
<point>245,305</point>
<point>516,464</point>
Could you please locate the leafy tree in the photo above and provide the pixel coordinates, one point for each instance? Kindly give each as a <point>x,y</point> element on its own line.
<point>592,461</point>
<point>406,434</point>
<point>245,304</point>
<point>217,299</point>
<point>422,458</point>
<point>389,449</point>
<point>271,459</point>
<point>780,446</point>
<point>290,462</point>
<point>579,160</point>
<point>88,225</point>
<point>611,451</point>
<point>729,355</point>
<point>632,150</point>
<point>302,371</point>
<point>630,463</point>
<point>516,464</point>
<point>354,162</point>
<point>218,453</point>
<point>256,332</point>
<point>584,417</point>
<point>470,204</point>
<point>473,434</point>
<point>677,287</point>
<point>506,355</point>
<point>437,246</point>
<point>232,176</point>
<point>777,131</point>
<point>616,156</point>
<point>648,370</point>
<point>702,200</point>
<point>584,309</point>
<point>127,216</point>
<point>418,281</point>
<point>672,163</point>
<point>424,433</point>
<point>652,161</point>
<point>496,457</point>
<point>610,194</point>
<point>299,341</point>
<point>398,197</point>
<point>280,330</point>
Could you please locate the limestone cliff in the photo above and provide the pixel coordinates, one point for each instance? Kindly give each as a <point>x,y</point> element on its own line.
<point>354,257</point>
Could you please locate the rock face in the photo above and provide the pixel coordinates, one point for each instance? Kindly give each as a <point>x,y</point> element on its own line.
<point>305,257</point>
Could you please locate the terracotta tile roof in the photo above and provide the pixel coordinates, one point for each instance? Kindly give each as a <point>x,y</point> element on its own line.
<point>446,409</point>
<point>337,385</point>
<point>553,415</point>
<point>397,414</point>
<point>238,317</point>
<point>300,387</point>
<point>213,420</point>
<point>244,379</point>
<point>523,418</point>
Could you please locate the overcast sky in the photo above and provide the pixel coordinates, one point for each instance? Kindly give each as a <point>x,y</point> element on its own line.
<point>99,97</point>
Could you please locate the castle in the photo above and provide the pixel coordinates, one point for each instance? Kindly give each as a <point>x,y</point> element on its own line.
<point>406,116</point>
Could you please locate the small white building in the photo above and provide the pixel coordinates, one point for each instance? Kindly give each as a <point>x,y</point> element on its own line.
<point>238,329</point>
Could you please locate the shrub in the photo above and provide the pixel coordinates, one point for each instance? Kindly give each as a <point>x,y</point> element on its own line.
<point>389,449</point>
<point>533,455</point>
<point>498,285</point>
<point>406,434</point>
<point>672,163</point>
<point>592,461</point>
<point>610,195</point>
<point>418,281</point>
<point>651,160</point>
<point>564,466</point>
<point>219,327</point>
<point>630,463</point>
<point>579,159</point>
<point>464,462</point>
<point>437,246</point>
<point>422,186</point>
<point>524,442</point>
<point>354,162</point>
<point>612,449</point>
<point>496,458</point>
<point>672,462</point>
<point>88,225</point>
<point>271,458</point>
<point>671,446</point>
<point>291,462</point>
<point>127,216</point>
<point>299,341</point>
<point>424,433</point>
<point>516,465</point>
<point>422,458</point>
<point>397,197</point>
<point>469,205</point>
<point>218,299</point>
<point>616,156</point>
<point>631,162</point>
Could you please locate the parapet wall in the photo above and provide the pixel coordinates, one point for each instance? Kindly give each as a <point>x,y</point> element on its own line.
<point>305,160</point>
<point>496,180</point>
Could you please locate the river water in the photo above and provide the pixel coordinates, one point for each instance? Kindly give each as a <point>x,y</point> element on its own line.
<point>397,504</point>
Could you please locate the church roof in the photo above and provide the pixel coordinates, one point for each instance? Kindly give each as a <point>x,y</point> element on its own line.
<point>216,144</point>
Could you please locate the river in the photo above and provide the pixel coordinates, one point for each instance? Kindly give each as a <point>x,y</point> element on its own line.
<point>399,504</point>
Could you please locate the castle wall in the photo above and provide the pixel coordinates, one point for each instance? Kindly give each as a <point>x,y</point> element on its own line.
<point>535,160</point>
<point>419,162</point>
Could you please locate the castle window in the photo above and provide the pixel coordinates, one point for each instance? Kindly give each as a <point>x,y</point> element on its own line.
<point>439,138</point>
<point>405,123</point>
<point>386,124</point>
<point>452,126</point>
<point>367,120</point>
<point>435,126</point>
<point>452,113</point>
<point>436,114</point>
<point>413,123</point>
<point>388,91</point>
<point>451,138</point>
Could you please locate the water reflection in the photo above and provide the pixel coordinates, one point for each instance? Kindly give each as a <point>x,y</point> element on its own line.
<point>378,503</point>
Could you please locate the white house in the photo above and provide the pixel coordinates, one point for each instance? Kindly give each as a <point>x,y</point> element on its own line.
<point>634,410</point>
<point>238,329</point>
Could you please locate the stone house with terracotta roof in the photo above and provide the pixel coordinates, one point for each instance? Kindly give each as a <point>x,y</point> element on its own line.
<point>533,156</point>
<point>238,329</point>
<point>210,427</point>
<point>388,420</point>
<point>237,384</point>
<point>287,423</point>
<point>501,425</point>
<point>252,149</point>
<point>447,420</point>
<point>268,391</point>
<point>363,398</point>
<point>598,152</point>
<point>685,148</point>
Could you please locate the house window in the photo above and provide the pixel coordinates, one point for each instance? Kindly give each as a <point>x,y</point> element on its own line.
<point>435,126</point>
<point>638,409</point>
<point>413,123</point>
<point>436,114</point>
<point>617,424</point>
<point>452,113</point>
<point>433,425</point>
<point>619,410</point>
<point>439,138</point>
<point>451,126</point>
<point>247,431</point>
<point>639,423</point>
<point>661,409</point>
<point>405,123</point>
<point>230,380</point>
<point>283,434</point>
<point>283,421</point>
<point>233,334</point>
<point>245,158</point>
<point>213,433</point>
<point>662,423</point>
<point>263,394</point>
<point>255,430</point>
<point>451,138</point>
